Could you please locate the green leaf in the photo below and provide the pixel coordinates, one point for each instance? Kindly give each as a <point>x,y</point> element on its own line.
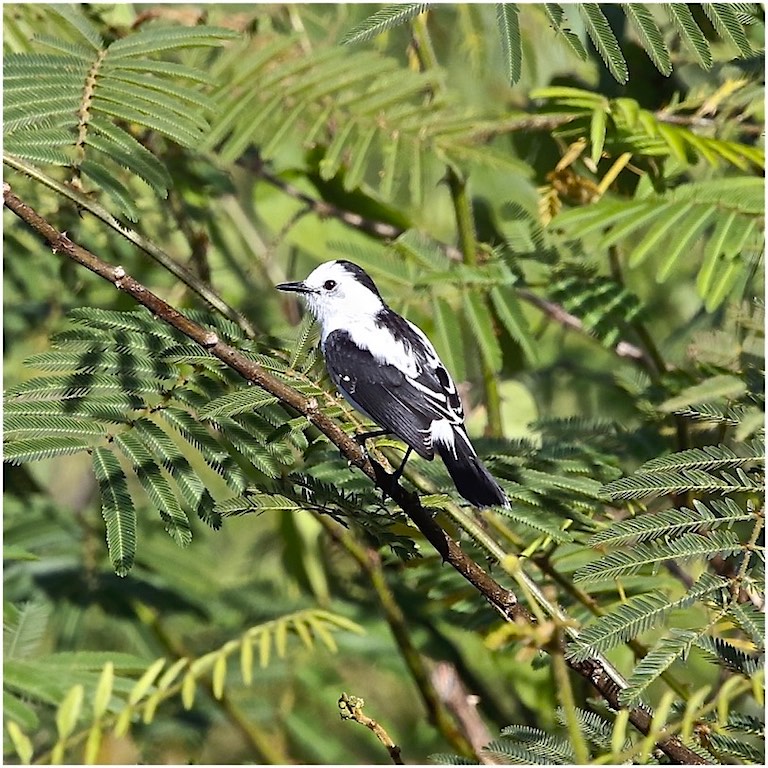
<point>728,26</point>
<point>103,694</point>
<point>685,234</point>
<point>73,50</point>
<point>523,744</point>
<point>688,545</point>
<point>707,457</point>
<point>105,179</point>
<point>44,447</point>
<point>670,522</point>
<point>239,401</point>
<point>751,620</point>
<point>636,615</point>
<point>481,323</point>
<point>386,18</point>
<point>117,510</point>
<point>156,39</point>
<point>182,133</point>
<point>140,162</point>
<point>145,682</point>
<point>68,712</point>
<point>666,651</point>
<point>673,212</point>
<point>714,388</point>
<point>448,337</point>
<point>650,35</point>
<point>79,22</point>
<point>597,132</point>
<point>511,42</point>
<point>511,315</point>
<point>555,14</point>
<point>690,33</point>
<point>20,740</point>
<point>656,484</point>
<point>156,486</point>
<point>604,40</point>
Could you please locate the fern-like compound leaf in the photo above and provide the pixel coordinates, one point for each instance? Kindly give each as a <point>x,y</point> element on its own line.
<point>637,615</point>
<point>511,42</point>
<point>690,33</point>
<point>664,653</point>
<point>650,35</point>
<point>117,510</point>
<point>386,18</point>
<point>543,747</point>
<point>726,21</point>
<point>85,93</point>
<point>687,546</point>
<point>238,401</point>
<point>671,522</point>
<point>645,485</point>
<point>156,486</point>
<point>727,655</point>
<point>555,14</point>
<point>602,37</point>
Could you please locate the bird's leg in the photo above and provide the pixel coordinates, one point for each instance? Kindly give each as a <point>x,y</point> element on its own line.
<point>395,477</point>
<point>361,437</point>
<point>399,473</point>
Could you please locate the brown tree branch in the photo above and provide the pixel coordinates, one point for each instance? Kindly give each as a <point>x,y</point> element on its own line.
<point>501,599</point>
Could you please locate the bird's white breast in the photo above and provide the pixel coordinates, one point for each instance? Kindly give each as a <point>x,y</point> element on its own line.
<point>378,340</point>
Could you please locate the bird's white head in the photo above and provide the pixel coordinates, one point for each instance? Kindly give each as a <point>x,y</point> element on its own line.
<point>339,294</point>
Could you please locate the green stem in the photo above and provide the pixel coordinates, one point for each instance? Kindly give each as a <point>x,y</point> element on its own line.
<point>568,703</point>
<point>423,41</point>
<point>465,226</point>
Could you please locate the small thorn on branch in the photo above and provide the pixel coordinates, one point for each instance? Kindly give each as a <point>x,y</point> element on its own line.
<point>351,708</point>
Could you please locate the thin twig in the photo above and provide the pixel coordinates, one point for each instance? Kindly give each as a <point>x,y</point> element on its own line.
<point>351,708</point>
<point>503,600</point>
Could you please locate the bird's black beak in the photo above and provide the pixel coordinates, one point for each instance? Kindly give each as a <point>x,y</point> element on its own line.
<point>295,287</point>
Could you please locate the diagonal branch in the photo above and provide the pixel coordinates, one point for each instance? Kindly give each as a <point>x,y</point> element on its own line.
<point>501,599</point>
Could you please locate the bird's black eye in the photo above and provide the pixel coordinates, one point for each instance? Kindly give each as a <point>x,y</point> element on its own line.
<point>329,285</point>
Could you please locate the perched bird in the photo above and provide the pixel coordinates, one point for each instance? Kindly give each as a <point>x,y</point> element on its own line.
<point>387,369</point>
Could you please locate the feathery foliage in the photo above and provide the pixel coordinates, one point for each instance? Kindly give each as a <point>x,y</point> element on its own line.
<point>64,105</point>
<point>586,261</point>
<point>729,25</point>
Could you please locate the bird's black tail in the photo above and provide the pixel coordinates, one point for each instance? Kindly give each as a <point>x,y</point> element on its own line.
<point>473,481</point>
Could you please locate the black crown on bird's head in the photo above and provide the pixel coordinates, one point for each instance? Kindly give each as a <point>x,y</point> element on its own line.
<point>359,274</point>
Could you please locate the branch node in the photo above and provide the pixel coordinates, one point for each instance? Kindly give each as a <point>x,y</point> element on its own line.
<point>210,339</point>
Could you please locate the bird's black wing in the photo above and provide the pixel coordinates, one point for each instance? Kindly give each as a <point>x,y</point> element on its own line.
<point>383,392</point>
